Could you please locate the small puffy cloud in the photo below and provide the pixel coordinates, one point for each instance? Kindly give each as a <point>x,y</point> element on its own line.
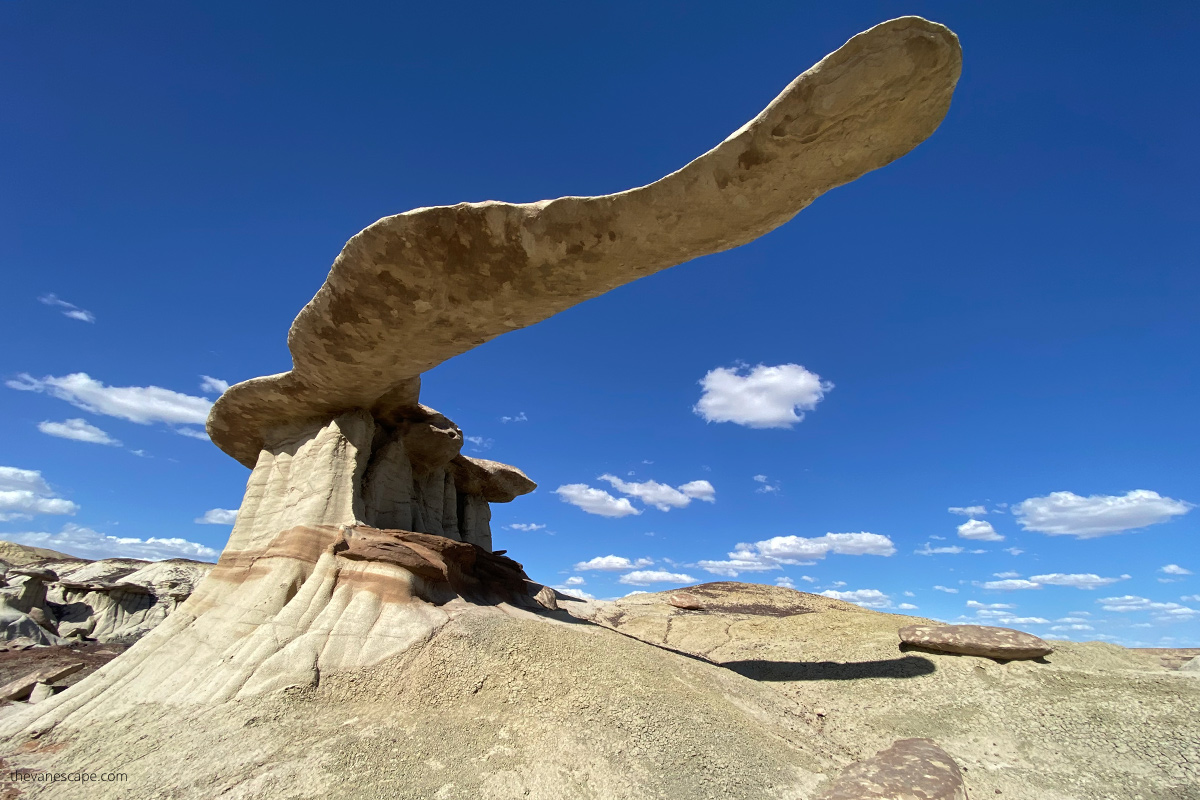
<point>868,598</point>
<point>577,593</point>
<point>595,501</point>
<point>1011,584</point>
<point>810,579</point>
<point>218,516</point>
<point>1072,619</point>
<point>77,430</point>
<point>68,309</point>
<point>24,493</point>
<point>613,563</point>
<point>211,385</point>
<point>907,607</point>
<point>528,527</point>
<point>141,404</point>
<point>1022,621</point>
<point>977,604</point>
<point>763,397</point>
<point>1013,551</point>
<point>1174,569</point>
<point>968,511</point>
<point>1006,575</point>
<point>945,589</point>
<point>979,530</point>
<point>520,417</point>
<point>1078,626</point>
<point>1077,580</point>
<point>479,442</point>
<point>662,496</point>
<point>87,543</point>
<point>928,550</point>
<point>785,582</point>
<point>1067,514</point>
<point>574,580</point>
<point>646,577</point>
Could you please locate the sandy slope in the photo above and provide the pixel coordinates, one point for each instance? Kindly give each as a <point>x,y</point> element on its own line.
<point>502,703</point>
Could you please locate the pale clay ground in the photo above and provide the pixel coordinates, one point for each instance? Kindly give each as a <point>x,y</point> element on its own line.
<point>501,703</point>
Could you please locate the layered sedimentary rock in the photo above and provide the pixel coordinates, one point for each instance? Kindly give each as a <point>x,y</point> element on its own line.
<point>118,600</point>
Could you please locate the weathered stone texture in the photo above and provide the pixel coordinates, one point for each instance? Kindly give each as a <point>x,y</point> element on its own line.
<point>976,640</point>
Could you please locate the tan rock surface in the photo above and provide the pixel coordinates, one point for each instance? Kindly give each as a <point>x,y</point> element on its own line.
<point>976,640</point>
<point>418,288</point>
<point>910,768</point>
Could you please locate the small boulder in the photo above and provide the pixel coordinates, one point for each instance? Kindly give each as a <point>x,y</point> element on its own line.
<point>976,640</point>
<point>686,601</point>
<point>910,768</point>
<point>41,691</point>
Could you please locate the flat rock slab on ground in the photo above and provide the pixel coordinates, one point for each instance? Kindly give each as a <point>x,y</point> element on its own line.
<point>21,687</point>
<point>910,768</point>
<point>976,640</point>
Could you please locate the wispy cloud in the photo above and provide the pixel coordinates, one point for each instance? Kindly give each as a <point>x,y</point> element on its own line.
<point>528,527</point>
<point>768,486</point>
<point>77,430</point>
<point>968,511</point>
<point>647,577</point>
<point>520,417</point>
<point>211,385</point>
<point>868,598</point>
<point>762,397</point>
<point>68,309</point>
<point>83,542</point>
<point>144,405</point>
<point>771,553</point>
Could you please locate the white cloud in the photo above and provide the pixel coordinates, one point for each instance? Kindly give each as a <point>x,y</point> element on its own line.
<point>1174,569</point>
<point>1011,584</point>
<point>1006,575</point>
<point>907,607</point>
<point>518,418</point>
<point>646,577</point>
<point>662,496</point>
<point>945,589</point>
<point>211,385</point>
<point>968,511</point>
<point>218,516</point>
<point>767,485</point>
<point>87,543</point>
<point>1067,514</point>
<point>192,433</point>
<point>1131,602</point>
<point>69,309</point>
<point>78,430</point>
<point>1072,619</point>
<point>977,604</point>
<point>479,442</point>
<point>1079,626</point>
<point>1013,551</point>
<point>595,501</point>
<point>528,527</point>
<point>771,553</point>
<point>574,580</point>
<point>1191,598</point>
<point>613,563</point>
<point>1022,621</point>
<point>24,493</point>
<point>141,404</point>
<point>868,598</point>
<point>1078,580</point>
<point>578,594</point>
<point>927,550</point>
<point>810,579</point>
<point>765,397</point>
<point>979,530</point>
<point>785,582</point>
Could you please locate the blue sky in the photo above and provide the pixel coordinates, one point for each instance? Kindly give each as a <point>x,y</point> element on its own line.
<point>1003,321</point>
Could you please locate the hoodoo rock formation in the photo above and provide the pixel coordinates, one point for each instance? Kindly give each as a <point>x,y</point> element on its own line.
<point>364,531</point>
